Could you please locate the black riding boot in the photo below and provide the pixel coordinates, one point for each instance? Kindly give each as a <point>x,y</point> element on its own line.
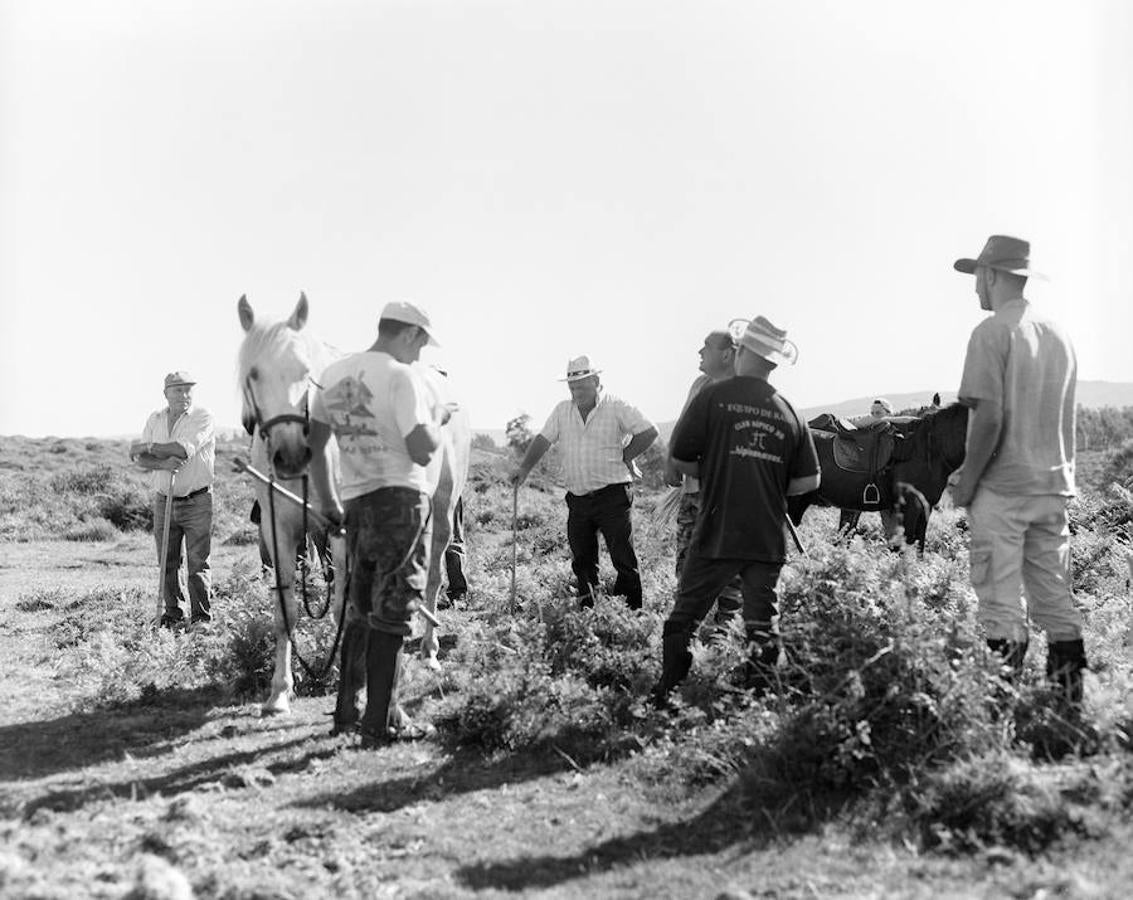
<point>676,660</point>
<point>758,673</point>
<point>1065,663</point>
<point>351,676</point>
<point>1012,654</point>
<point>383,671</point>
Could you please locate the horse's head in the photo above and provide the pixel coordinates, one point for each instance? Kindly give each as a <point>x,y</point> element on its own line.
<point>276,363</point>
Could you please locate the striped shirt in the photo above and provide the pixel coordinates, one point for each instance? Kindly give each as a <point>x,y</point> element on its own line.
<point>592,450</point>
<point>195,432</point>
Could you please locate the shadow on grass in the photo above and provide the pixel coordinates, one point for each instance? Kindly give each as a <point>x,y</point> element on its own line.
<point>463,772</point>
<point>41,748</point>
<point>187,778</point>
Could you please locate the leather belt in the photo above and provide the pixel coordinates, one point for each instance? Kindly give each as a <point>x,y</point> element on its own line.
<point>192,494</point>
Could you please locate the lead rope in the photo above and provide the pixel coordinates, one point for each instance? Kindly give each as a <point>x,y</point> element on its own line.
<point>279,589</point>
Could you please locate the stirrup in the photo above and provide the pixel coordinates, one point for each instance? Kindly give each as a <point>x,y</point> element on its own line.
<point>871,495</point>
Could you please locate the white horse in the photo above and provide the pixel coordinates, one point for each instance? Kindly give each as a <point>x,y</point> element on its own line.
<point>279,365</point>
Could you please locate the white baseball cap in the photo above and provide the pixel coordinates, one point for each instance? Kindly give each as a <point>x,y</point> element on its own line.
<point>410,314</point>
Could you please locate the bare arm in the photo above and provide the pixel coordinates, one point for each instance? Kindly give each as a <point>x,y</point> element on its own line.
<point>985,425</point>
<point>535,450</point>
<point>638,444</point>
<point>422,442</point>
<point>803,485</point>
<point>320,469</point>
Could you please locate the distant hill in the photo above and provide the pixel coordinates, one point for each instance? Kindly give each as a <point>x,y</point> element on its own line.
<point>1091,394</point>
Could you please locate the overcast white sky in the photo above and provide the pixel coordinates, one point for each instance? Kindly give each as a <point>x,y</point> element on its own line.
<point>549,179</point>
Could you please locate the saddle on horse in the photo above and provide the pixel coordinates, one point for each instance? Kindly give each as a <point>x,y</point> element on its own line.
<point>861,449</point>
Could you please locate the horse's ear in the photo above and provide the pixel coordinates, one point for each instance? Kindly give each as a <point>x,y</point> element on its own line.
<point>936,399</point>
<point>247,317</point>
<point>299,317</point>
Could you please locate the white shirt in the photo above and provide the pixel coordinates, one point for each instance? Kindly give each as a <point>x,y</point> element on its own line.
<point>592,449</point>
<point>372,402</point>
<point>195,432</point>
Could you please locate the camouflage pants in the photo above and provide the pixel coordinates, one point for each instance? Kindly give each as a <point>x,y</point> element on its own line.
<point>388,533</point>
<point>730,599</point>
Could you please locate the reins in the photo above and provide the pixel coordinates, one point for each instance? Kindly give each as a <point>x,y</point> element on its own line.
<point>264,429</point>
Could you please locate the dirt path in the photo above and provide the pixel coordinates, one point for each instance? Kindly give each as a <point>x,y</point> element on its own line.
<point>243,806</point>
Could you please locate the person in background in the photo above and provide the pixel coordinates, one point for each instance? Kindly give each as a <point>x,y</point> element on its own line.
<point>178,449</point>
<point>717,363</point>
<point>600,436</point>
<point>1019,380</point>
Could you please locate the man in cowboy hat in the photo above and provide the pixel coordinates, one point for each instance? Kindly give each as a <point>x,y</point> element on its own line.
<point>750,450</point>
<point>377,407</point>
<point>178,449</point>
<point>717,362</point>
<point>600,436</point>
<point>1019,379</point>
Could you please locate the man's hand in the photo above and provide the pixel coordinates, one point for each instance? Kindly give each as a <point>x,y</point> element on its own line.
<point>963,493</point>
<point>336,516</point>
<point>519,476</point>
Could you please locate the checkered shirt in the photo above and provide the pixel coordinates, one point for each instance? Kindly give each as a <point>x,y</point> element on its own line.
<point>592,450</point>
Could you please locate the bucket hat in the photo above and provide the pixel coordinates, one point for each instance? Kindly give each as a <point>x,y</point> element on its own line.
<point>1002,252</point>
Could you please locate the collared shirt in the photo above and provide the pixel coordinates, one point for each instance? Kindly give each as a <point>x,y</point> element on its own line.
<point>592,449</point>
<point>372,402</point>
<point>1027,364</point>
<point>195,432</point>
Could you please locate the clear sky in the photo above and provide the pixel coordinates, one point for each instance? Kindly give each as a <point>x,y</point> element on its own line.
<point>548,179</point>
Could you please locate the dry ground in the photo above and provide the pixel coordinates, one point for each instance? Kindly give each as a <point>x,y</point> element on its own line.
<point>188,790</point>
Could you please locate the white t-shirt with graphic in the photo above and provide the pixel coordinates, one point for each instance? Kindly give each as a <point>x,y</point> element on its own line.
<point>372,402</point>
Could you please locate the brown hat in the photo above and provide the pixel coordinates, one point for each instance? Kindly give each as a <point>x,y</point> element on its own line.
<point>1002,252</point>
<point>178,378</point>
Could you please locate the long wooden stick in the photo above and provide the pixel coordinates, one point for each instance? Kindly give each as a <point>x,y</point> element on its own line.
<point>164,556</point>
<point>242,466</point>
<point>514,542</point>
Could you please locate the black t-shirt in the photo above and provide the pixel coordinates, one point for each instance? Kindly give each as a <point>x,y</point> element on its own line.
<point>750,443</point>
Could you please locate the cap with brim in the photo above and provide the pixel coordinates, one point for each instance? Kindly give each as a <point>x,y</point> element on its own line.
<point>1003,253</point>
<point>178,378</point>
<point>410,314</point>
<point>579,368</point>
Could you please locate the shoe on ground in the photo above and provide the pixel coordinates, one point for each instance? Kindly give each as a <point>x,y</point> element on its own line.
<point>171,620</point>
<point>407,730</point>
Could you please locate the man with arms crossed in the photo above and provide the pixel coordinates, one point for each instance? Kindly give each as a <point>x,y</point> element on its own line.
<point>377,408</point>
<point>750,450</point>
<point>1019,378</point>
<point>178,448</point>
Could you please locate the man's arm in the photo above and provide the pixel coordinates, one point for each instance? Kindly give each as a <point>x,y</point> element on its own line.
<point>422,442</point>
<point>638,444</point>
<point>319,438</point>
<point>803,485</point>
<point>535,450</point>
<point>985,425</point>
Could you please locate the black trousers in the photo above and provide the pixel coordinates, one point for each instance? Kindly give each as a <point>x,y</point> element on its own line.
<point>605,511</point>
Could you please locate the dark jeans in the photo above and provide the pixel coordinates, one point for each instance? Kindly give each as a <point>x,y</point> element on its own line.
<point>702,580</point>
<point>190,524</point>
<point>454,555</point>
<point>387,533</point>
<point>606,510</point>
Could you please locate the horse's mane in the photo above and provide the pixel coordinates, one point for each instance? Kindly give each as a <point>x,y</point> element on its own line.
<point>944,429</point>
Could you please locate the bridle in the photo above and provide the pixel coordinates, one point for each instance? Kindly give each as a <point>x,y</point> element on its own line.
<point>264,429</point>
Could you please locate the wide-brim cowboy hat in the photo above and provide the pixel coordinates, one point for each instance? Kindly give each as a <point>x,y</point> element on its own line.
<point>1003,253</point>
<point>764,339</point>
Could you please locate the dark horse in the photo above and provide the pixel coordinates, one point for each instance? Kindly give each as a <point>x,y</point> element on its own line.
<point>926,450</point>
